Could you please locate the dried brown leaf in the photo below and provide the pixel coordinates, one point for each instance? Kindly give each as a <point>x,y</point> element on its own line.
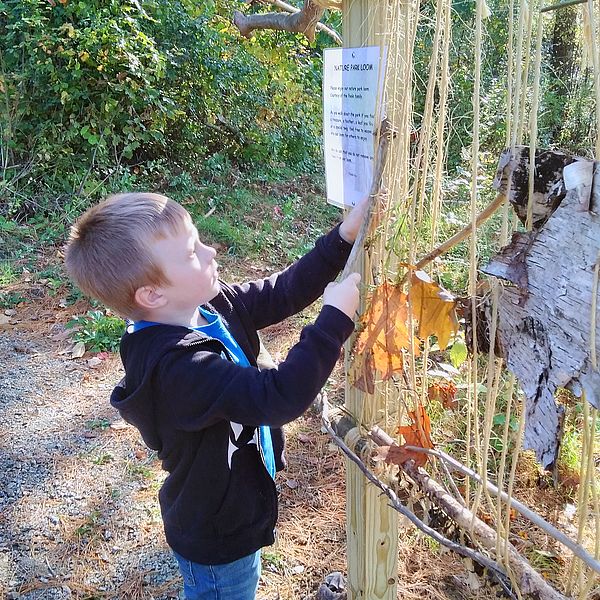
<point>383,338</point>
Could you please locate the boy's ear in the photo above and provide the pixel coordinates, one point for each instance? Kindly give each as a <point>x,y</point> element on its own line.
<point>149,298</point>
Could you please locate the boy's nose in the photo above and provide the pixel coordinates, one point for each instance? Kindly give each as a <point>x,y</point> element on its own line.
<point>208,252</point>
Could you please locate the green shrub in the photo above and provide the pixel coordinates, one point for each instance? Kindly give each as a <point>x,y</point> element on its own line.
<point>98,331</point>
<point>97,94</point>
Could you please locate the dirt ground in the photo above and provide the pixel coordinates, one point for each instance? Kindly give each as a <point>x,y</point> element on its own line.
<point>79,515</point>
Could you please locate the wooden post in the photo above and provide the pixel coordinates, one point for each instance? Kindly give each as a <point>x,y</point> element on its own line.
<point>371,525</point>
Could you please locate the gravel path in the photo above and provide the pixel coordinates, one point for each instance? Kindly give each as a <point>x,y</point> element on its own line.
<point>78,510</point>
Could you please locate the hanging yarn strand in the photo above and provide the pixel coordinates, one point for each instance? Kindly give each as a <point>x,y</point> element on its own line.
<point>413,232</point>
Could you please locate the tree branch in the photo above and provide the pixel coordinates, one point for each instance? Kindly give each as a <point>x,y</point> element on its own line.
<point>484,215</point>
<point>493,567</point>
<point>381,438</point>
<point>305,20</point>
<point>530,581</point>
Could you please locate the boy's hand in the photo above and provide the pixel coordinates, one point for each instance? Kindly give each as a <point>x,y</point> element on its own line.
<point>344,295</point>
<point>351,225</point>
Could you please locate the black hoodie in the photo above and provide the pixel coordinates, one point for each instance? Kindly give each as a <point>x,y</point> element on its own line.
<point>201,411</point>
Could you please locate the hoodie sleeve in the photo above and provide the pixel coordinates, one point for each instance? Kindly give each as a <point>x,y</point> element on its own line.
<point>199,388</point>
<point>275,298</point>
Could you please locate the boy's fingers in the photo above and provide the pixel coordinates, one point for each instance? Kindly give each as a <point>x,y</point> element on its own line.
<point>354,278</point>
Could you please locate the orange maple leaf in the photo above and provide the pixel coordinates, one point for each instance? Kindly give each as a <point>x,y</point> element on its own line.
<point>418,433</point>
<point>433,307</point>
<point>383,337</point>
<point>445,393</point>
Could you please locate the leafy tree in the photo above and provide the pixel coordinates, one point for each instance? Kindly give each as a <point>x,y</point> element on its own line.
<point>98,93</point>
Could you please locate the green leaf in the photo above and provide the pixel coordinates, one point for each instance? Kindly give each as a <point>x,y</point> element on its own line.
<point>458,353</point>
<point>499,419</point>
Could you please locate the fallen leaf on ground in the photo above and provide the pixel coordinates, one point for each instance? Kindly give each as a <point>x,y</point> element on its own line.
<point>433,307</point>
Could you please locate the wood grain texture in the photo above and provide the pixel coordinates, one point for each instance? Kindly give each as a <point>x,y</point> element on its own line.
<point>371,525</point>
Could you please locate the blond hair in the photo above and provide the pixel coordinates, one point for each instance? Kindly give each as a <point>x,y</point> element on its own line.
<point>108,252</point>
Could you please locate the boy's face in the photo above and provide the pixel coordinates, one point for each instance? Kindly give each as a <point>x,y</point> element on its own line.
<point>189,266</point>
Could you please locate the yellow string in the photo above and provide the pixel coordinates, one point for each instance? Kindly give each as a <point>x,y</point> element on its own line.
<point>533,120</point>
<point>436,199</point>
<point>518,61</point>
<point>575,570</point>
<point>525,72</point>
<point>595,52</point>
<point>473,401</point>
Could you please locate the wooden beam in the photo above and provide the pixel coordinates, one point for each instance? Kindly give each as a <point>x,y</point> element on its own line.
<point>371,524</point>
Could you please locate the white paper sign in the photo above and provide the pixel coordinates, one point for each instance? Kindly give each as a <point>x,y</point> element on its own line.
<point>352,91</point>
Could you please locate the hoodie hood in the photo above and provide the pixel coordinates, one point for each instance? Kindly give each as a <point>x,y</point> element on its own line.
<point>134,395</point>
<point>132,407</point>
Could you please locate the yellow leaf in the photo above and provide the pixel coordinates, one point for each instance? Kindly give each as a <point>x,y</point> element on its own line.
<point>433,307</point>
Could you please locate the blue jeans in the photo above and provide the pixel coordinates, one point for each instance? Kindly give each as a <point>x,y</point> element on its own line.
<point>237,580</point>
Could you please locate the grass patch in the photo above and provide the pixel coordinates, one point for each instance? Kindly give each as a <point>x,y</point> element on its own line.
<point>91,526</point>
<point>139,471</point>
<point>11,299</point>
<point>8,273</point>
<point>97,330</point>
<point>273,561</point>
<point>97,424</point>
<point>103,459</point>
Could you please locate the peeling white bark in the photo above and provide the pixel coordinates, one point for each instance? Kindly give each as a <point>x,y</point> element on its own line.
<point>545,318</point>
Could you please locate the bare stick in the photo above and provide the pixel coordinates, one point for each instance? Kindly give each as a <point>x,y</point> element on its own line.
<point>386,133</point>
<point>463,234</point>
<point>494,567</point>
<point>381,438</point>
<point>530,581</point>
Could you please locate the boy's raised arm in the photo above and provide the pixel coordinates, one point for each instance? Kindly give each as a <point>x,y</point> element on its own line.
<point>285,293</point>
<point>203,389</point>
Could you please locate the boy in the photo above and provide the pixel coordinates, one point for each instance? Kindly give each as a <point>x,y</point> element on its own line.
<point>192,386</point>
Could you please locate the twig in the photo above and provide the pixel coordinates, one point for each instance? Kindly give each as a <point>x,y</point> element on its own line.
<point>386,133</point>
<point>530,581</point>
<point>494,568</point>
<point>552,531</point>
<point>484,215</point>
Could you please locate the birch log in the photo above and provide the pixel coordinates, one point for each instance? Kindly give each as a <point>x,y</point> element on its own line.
<point>545,311</point>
